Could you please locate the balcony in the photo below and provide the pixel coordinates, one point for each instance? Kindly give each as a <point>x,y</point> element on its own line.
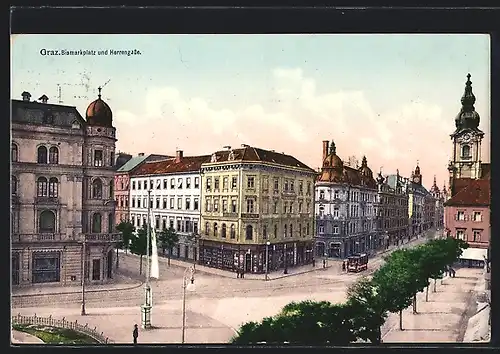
<point>329,217</point>
<point>46,200</point>
<point>249,216</point>
<point>40,237</point>
<point>288,193</point>
<point>229,215</point>
<point>105,237</point>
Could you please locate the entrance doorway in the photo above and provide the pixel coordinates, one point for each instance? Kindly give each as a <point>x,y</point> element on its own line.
<point>96,269</point>
<point>110,265</point>
<point>248,262</point>
<point>15,269</point>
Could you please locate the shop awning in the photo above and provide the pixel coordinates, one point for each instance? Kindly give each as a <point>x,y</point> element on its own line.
<point>475,254</point>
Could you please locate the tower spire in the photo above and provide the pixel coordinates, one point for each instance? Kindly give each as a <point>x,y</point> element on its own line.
<point>99,95</point>
<point>333,149</point>
<point>468,98</point>
<point>435,181</point>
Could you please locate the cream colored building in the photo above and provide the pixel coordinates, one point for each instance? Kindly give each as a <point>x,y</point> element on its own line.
<point>62,192</point>
<point>249,197</point>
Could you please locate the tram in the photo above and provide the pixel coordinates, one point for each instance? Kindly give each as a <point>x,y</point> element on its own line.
<point>357,262</point>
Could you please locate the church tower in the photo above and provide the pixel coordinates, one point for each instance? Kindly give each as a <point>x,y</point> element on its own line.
<point>416,176</point>
<point>466,155</point>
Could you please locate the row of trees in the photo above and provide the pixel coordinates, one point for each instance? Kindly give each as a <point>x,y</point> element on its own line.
<point>136,240</point>
<point>392,289</point>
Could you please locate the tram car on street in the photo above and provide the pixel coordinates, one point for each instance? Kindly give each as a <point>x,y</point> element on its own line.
<point>357,262</point>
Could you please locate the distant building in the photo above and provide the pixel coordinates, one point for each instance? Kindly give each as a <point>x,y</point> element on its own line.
<point>62,192</point>
<point>345,207</point>
<point>251,197</point>
<point>175,185</point>
<point>467,209</point>
<point>439,198</point>
<point>122,183</point>
<point>121,159</point>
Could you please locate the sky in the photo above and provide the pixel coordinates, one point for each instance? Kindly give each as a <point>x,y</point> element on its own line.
<point>391,98</point>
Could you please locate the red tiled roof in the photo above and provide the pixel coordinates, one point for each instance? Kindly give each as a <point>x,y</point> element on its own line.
<point>186,164</point>
<point>253,154</point>
<point>475,193</point>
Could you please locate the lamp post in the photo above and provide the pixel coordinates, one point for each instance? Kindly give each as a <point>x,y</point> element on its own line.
<point>84,261</point>
<point>146,307</point>
<point>285,258</point>
<point>267,259</point>
<point>185,286</point>
<point>196,249</point>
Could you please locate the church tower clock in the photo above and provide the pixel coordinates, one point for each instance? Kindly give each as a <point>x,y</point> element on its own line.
<point>466,155</point>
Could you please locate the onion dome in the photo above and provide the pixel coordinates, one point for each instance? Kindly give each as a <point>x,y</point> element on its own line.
<point>467,117</point>
<point>99,113</point>
<point>332,160</point>
<point>364,169</point>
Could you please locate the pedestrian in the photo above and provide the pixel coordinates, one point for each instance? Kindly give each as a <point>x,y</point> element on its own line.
<point>135,333</point>
<point>237,273</point>
<point>324,263</point>
<point>343,266</point>
<point>314,263</point>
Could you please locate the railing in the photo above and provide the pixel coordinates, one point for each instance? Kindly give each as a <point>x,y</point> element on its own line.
<point>229,214</point>
<point>249,216</point>
<point>40,237</point>
<point>47,200</point>
<point>106,237</point>
<point>52,322</point>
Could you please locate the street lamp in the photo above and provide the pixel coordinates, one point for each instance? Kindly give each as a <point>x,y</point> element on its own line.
<point>196,249</point>
<point>148,304</point>
<point>267,259</point>
<point>186,286</point>
<point>285,258</point>
<point>84,256</point>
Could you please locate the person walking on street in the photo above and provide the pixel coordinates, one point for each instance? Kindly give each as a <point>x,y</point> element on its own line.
<point>135,333</point>
<point>343,266</point>
<point>242,273</point>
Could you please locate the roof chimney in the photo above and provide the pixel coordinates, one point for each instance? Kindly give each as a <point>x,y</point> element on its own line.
<point>178,156</point>
<point>140,154</point>
<point>244,145</point>
<point>325,149</point>
<point>44,99</point>
<point>227,147</point>
<point>26,96</point>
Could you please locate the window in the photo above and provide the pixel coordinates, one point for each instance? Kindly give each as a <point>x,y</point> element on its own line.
<point>216,205</point>
<point>188,204</point>
<point>97,189</point>
<point>232,232</point>
<point>172,203</point>
<point>321,229</point>
<point>223,231</point>
<point>53,187</point>
<point>42,154</point>
<point>336,212</point>
<point>234,182</point>
<point>335,229</point>
<point>300,207</point>
<point>188,182</point>
<point>172,183</point>
<point>308,192</point>
<point>196,204</point>
<point>42,185</point>
<point>207,205</point>
<point>477,216</point>
<point>285,230</point>
<point>466,151</point>
<point>321,210</point>
<point>250,206</point>
<point>179,203</point>
<point>460,215</point>
<point>164,204</point>
<point>292,187</point>
<point>209,183</point>
<point>224,205</point>
<point>264,232</point>
<point>179,225</point>
<point>290,209</point>
<point>111,224</point>
<point>300,230</point>
<point>301,187</point>
<point>164,223</point>
<point>111,189</point>
<point>249,232</point>
<point>265,184</point>
<point>476,234</point>
<point>54,155</point>
<point>275,207</point>
<point>285,207</point>
<point>225,182</point>
<point>157,222</point>
<point>13,181</point>
<point>138,202</point>
<point>47,222</point>
<point>195,227</point>
<point>215,229</point>
<point>276,184</point>
<point>96,269</point>
<point>179,183</point>
<point>197,182</point>
<point>275,231</point>
<point>233,206</point>
<point>335,194</point>
<point>96,223</point>
<point>291,230</point>
<point>46,267</point>
<point>285,186</point>
<point>98,158</point>
<point>207,228</point>
<point>250,182</point>
<point>165,183</point>
<point>321,194</point>
<point>157,203</point>
<point>158,184</point>
<point>133,185</point>
<point>151,185</point>
<point>307,229</point>
<point>461,234</point>
<point>14,153</point>
<point>216,183</point>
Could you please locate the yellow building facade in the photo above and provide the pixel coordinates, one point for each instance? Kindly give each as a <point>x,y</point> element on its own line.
<point>254,202</point>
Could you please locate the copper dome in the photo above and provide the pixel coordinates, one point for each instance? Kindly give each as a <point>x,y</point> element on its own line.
<point>333,161</point>
<point>99,113</point>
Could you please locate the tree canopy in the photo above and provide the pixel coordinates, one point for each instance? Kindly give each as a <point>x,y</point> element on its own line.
<point>127,230</point>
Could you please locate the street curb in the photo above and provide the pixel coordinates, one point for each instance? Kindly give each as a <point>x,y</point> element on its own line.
<point>135,286</point>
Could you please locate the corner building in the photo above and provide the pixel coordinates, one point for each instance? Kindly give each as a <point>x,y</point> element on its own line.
<point>62,204</point>
<point>250,197</point>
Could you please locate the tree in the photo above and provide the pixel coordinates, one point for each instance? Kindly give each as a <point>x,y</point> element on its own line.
<point>168,239</point>
<point>139,244</point>
<point>127,229</point>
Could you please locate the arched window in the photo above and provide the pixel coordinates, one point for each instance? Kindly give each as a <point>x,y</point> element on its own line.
<point>466,151</point>
<point>14,185</point>
<point>284,230</point>
<point>53,187</point>
<point>300,230</point>
<point>249,232</point>
<point>96,223</point>
<point>233,231</point>
<point>54,155</point>
<point>207,228</point>
<point>97,189</point>
<point>14,153</point>
<point>110,223</point>
<point>215,229</point>
<point>47,222</point>
<point>264,232</point>
<point>223,231</point>
<point>275,231</point>
<point>42,189</point>
<point>111,190</point>
<point>42,154</point>
<point>291,230</point>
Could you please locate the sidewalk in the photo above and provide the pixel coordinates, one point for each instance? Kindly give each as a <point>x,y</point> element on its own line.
<point>444,318</point>
<point>24,338</point>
